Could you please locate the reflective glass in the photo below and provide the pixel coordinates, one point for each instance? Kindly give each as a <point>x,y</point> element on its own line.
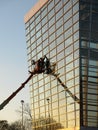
<point>54,32</point>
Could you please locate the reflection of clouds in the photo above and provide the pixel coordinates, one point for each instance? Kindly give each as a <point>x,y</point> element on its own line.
<point>69,67</point>
<point>59,98</point>
<point>61,70</point>
<point>70,75</point>
<point>68,41</point>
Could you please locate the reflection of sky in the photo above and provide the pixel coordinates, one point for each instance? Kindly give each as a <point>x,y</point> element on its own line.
<point>57,107</point>
<point>52,88</point>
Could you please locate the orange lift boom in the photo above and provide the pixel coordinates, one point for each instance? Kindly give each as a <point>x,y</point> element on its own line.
<point>41,66</point>
<point>4,103</point>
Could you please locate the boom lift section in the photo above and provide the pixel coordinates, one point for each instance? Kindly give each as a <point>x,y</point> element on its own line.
<point>42,65</point>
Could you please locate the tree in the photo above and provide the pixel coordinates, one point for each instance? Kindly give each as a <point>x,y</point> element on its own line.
<point>27,116</point>
<point>4,125</point>
<point>42,123</point>
<point>46,124</point>
<point>15,126</point>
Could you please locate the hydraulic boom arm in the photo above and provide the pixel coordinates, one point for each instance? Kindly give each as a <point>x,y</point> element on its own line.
<point>5,102</point>
<point>66,89</point>
<point>38,68</point>
<point>41,66</point>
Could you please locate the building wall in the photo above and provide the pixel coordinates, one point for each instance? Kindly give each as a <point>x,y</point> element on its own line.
<point>34,10</point>
<point>54,31</point>
<point>89,62</point>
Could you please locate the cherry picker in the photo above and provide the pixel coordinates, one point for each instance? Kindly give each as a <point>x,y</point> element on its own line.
<point>42,65</point>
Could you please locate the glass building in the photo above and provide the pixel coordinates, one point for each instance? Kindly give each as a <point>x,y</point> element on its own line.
<point>66,31</point>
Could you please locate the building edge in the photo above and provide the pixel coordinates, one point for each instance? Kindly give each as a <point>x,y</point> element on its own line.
<point>34,9</point>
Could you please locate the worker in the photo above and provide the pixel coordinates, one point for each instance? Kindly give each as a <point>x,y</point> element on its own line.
<point>33,62</point>
<point>47,66</point>
<point>38,65</point>
<point>42,65</point>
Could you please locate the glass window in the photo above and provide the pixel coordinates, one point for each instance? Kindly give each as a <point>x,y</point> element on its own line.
<point>61,64</point>
<point>59,23</point>
<point>93,45</point>
<point>38,34</point>
<point>76,8</point>
<point>38,27</point>
<point>61,70</point>
<point>46,50</point>
<point>44,28</point>
<point>26,24</point>
<point>60,39</point>
<point>52,45</point>
<point>44,13</point>
<point>28,43</point>
<point>53,53</point>
<point>39,48</point>
<point>45,43</point>
<point>29,50</point>
<point>68,24</point>
<point>59,14</point>
<point>56,1</point>
<point>68,41</point>
<point>76,17</point>
<point>68,32</point>
<point>60,55</point>
<point>51,22</point>
<point>71,116</point>
<point>27,30</point>
<point>67,6</point>
<point>33,39</point>
<point>32,25</point>
<point>50,5</point>
<point>76,36</point>
<point>52,38</point>
<point>69,67</point>
<point>71,123</point>
<point>69,58</point>
<point>32,32</point>
<point>33,46</point>
<point>69,50</point>
<point>45,35</point>
<point>37,14</point>
<point>54,90</point>
<point>67,15</point>
<point>76,45</point>
<point>59,31</point>
<point>50,14</point>
<point>40,54</point>
<point>76,54</point>
<point>75,1</point>
<point>76,71</point>
<point>39,41</point>
<point>44,21</point>
<point>32,19</point>
<point>76,26</point>
<point>60,48</point>
<point>58,6</point>
<point>38,20</point>
<point>76,62</point>
<point>51,30</point>
<point>28,37</point>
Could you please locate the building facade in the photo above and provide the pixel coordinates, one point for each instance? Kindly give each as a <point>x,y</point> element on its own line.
<point>66,32</point>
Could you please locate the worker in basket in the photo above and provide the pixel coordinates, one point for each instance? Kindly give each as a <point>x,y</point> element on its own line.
<point>43,65</point>
<point>38,65</point>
